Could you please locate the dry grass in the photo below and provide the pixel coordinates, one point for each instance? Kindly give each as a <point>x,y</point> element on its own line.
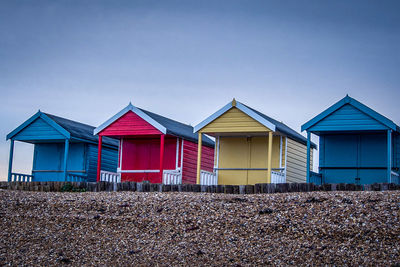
<point>126,228</point>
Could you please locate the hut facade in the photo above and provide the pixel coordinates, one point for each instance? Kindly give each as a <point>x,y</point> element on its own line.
<point>357,144</point>
<point>252,148</point>
<point>154,148</point>
<point>64,150</point>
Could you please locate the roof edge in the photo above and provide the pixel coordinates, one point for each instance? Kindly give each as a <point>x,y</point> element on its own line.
<point>135,110</point>
<point>242,108</point>
<point>324,114</point>
<point>43,116</point>
<point>211,118</point>
<point>374,114</point>
<point>256,117</point>
<point>360,106</point>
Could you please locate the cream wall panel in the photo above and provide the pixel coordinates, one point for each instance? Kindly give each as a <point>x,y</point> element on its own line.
<point>296,162</point>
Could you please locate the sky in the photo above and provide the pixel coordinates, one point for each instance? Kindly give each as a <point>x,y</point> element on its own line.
<point>85,60</point>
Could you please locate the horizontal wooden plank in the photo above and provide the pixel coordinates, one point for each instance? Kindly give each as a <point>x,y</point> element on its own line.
<point>290,175</point>
<point>348,118</point>
<point>39,130</point>
<point>130,124</point>
<point>295,179</point>
<point>234,120</point>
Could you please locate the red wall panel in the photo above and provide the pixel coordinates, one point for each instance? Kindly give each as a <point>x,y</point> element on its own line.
<point>144,154</point>
<point>129,124</point>
<point>180,152</point>
<point>189,171</point>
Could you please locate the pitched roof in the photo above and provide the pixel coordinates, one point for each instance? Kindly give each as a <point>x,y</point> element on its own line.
<point>163,124</point>
<point>358,105</point>
<point>81,130</point>
<point>265,120</point>
<point>241,107</point>
<point>178,129</point>
<point>283,128</point>
<point>68,128</point>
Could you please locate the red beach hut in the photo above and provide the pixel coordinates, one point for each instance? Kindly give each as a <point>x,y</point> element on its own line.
<point>154,148</point>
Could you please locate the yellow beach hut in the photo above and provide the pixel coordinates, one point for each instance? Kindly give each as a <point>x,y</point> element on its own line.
<point>252,148</point>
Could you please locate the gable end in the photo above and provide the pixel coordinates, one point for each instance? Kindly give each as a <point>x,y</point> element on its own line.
<point>234,120</point>
<point>347,118</point>
<point>129,124</point>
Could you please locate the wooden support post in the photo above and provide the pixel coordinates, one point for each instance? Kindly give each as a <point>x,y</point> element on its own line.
<point>99,158</point>
<point>269,156</point>
<point>119,154</point>
<point>162,141</point>
<point>10,160</point>
<point>199,158</point>
<point>308,155</point>
<point>248,158</point>
<point>177,154</point>
<point>217,148</point>
<point>280,152</point>
<point>389,156</point>
<point>66,149</point>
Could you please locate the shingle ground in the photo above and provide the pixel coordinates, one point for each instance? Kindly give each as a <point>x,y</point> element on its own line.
<point>131,228</point>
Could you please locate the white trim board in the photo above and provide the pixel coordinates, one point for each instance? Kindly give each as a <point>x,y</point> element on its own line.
<point>242,108</point>
<point>182,155</point>
<point>135,110</point>
<point>137,171</point>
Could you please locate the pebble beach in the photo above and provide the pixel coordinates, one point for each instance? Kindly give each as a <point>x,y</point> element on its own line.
<point>181,229</point>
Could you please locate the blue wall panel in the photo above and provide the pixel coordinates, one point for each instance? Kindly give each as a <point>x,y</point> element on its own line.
<point>396,151</point>
<point>109,161</point>
<point>39,130</point>
<point>49,158</point>
<point>340,150</point>
<point>48,162</point>
<point>82,160</point>
<point>347,118</point>
<point>373,150</point>
<point>92,162</point>
<point>373,176</point>
<point>339,176</point>
<point>76,158</point>
<point>343,157</point>
<point>350,175</point>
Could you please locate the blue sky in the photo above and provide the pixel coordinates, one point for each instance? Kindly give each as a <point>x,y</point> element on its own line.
<point>85,60</point>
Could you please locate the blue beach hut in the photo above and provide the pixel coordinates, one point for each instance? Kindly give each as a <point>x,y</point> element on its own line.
<point>65,150</point>
<point>356,144</point>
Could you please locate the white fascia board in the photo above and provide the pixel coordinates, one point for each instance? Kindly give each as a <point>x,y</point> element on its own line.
<point>135,110</point>
<point>149,119</point>
<point>111,120</point>
<point>255,116</point>
<point>212,117</point>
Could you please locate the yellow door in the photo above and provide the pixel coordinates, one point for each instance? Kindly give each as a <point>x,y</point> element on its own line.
<point>246,153</point>
<point>258,159</point>
<point>233,154</point>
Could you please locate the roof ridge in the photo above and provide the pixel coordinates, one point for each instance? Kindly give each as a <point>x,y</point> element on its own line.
<point>347,100</point>
<point>144,110</point>
<point>278,125</point>
<point>172,126</point>
<point>370,109</point>
<point>52,115</point>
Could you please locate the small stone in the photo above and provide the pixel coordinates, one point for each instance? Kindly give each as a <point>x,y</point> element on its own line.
<point>265,211</point>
